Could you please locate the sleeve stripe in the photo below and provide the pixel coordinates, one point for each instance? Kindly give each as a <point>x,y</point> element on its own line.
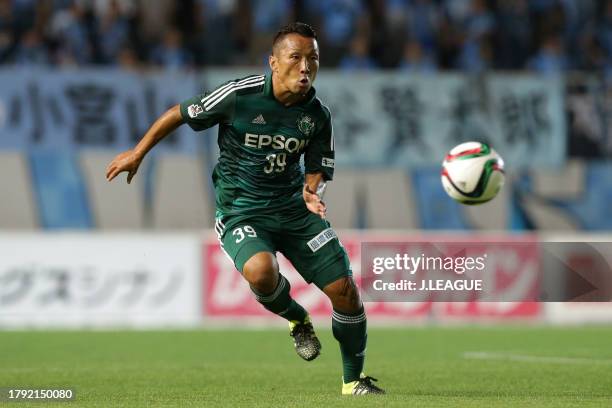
<point>211,104</point>
<point>331,143</point>
<point>220,90</point>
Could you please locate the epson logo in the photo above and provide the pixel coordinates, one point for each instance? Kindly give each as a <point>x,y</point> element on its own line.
<point>279,142</point>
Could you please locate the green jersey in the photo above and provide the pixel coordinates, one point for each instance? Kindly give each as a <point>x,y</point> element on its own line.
<point>261,142</point>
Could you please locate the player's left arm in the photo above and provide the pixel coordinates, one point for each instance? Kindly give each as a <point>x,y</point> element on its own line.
<point>319,163</point>
<point>314,187</point>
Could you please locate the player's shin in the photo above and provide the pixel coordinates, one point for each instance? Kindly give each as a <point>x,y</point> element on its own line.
<point>350,331</point>
<point>280,301</point>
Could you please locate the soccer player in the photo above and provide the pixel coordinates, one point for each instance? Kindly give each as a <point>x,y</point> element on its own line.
<point>266,203</point>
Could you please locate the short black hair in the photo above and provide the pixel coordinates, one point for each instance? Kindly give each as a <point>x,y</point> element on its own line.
<point>296,27</point>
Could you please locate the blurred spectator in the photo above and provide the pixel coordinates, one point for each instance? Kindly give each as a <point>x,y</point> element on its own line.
<point>397,12</point>
<point>416,35</point>
<point>416,60</point>
<point>457,11</point>
<point>476,56</point>
<point>242,32</point>
<point>268,16</point>
<point>69,30</point>
<point>113,32</point>
<point>549,19</point>
<point>8,30</point>
<point>127,59</point>
<point>423,22</point>
<point>213,43</point>
<point>338,22</point>
<point>154,18</point>
<point>385,40</point>
<point>550,58</point>
<point>31,50</point>
<point>24,12</point>
<point>338,19</point>
<point>513,38</point>
<point>605,29</point>
<point>123,7</point>
<point>594,56</point>
<point>450,41</point>
<point>358,57</point>
<point>171,54</point>
<point>477,25</point>
<point>479,21</point>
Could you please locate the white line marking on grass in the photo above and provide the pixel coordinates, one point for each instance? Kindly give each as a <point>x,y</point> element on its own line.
<point>486,355</point>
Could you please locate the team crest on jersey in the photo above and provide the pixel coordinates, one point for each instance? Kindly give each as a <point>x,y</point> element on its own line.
<point>194,110</point>
<point>306,125</point>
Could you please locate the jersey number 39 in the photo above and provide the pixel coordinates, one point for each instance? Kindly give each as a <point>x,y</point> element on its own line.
<point>276,163</point>
<point>242,232</point>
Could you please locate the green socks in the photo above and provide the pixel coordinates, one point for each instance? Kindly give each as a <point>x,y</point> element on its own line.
<point>350,331</point>
<point>280,302</point>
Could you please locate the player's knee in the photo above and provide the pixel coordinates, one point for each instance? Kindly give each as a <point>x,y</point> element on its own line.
<point>261,271</point>
<point>344,295</point>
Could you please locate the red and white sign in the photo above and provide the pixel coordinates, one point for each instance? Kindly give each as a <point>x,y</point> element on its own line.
<point>227,294</point>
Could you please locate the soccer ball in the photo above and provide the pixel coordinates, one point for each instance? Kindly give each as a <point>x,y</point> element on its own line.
<point>472,173</point>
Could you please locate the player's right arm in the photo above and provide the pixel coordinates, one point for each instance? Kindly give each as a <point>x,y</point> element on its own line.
<point>129,160</point>
<point>200,112</point>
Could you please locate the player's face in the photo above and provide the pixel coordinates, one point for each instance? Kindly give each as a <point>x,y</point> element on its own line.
<point>295,62</point>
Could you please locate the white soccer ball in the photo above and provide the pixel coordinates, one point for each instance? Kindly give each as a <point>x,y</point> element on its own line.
<point>472,173</point>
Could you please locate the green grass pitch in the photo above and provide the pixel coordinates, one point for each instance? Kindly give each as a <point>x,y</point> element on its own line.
<point>419,367</point>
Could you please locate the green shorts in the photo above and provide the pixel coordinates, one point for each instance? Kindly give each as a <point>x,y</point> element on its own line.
<point>304,238</point>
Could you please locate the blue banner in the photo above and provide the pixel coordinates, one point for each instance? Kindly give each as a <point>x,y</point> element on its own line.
<point>411,121</point>
<point>88,108</point>
<point>380,119</point>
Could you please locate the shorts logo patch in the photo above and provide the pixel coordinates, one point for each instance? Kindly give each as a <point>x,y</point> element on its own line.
<point>327,162</point>
<point>194,110</point>
<point>320,240</point>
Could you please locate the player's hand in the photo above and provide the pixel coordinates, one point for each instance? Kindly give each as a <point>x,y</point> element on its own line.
<point>127,161</point>
<point>313,202</point>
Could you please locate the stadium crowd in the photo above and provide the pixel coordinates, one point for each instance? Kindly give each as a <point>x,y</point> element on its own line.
<point>546,36</point>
